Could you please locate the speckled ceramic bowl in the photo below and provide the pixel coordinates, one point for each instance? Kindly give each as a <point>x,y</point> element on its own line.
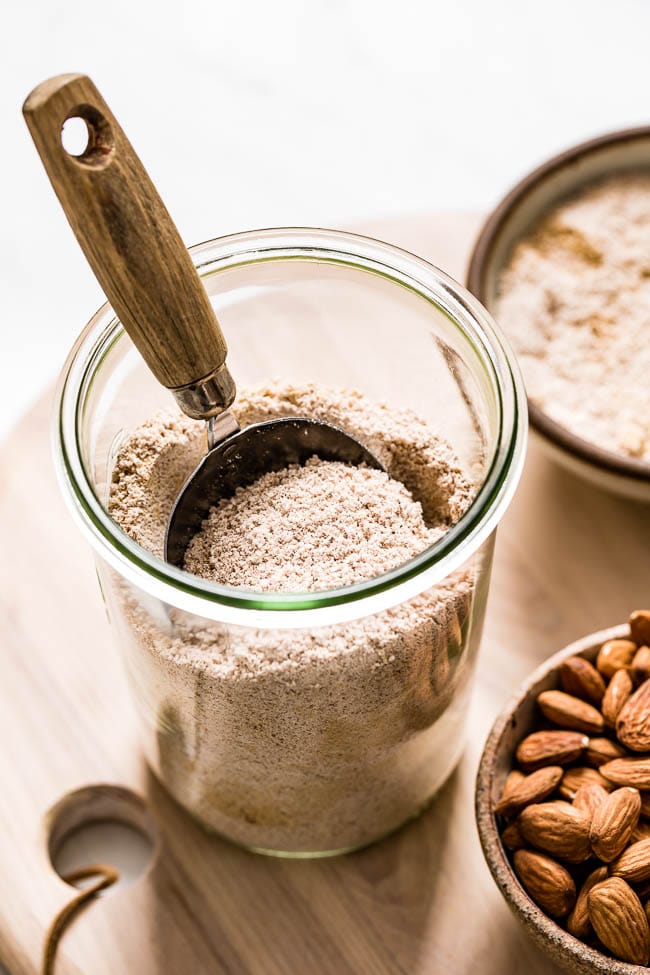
<point>516,721</point>
<point>513,218</point>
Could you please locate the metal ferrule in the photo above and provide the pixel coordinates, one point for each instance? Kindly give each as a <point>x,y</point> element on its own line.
<point>210,396</point>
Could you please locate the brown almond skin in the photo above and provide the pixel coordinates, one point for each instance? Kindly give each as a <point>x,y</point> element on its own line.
<point>588,798</point>
<point>512,838</point>
<point>550,748</point>
<point>613,655</point>
<point>641,665</point>
<point>570,712</point>
<point>618,691</point>
<point>578,923</point>
<point>614,822</point>
<point>549,884</point>
<point>641,832</point>
<point>580,678</point>
<point>512,781</point>
<point>640,627</point>
<point>618,918</point>
<point>573,778</point>
<point>633,864</point>
<point>601,750</point>
<point>633,720</point>
<point>530,789</point>
<point>628,771</point>
<point>557,828</point>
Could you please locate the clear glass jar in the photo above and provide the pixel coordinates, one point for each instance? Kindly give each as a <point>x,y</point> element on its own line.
<point>344,747</point>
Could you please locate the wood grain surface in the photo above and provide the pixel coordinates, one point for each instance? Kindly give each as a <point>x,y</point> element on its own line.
<point>569,560</point>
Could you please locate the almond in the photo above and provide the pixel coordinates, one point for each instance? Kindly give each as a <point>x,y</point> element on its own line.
<point>641,832</point>
<point>557,828</point>
<point>618,691</point>
<point>580,678</point>
<point>634,863</point>
<point>588,798</point>
<point>628,771</point>
<point>512,781</point>
<point>531,788</point>
<point>614,822</point>
<point>570,712</point>
<point>601,750</point>
<point>578,923</point>
<point>640,627</point>
<point>618,918</point>
<point>633,723</point>
<point>512,838</point>
<point>550,748</point>
<point>641,665</point>
<point>613,655</point>
<point>549,884</point>
<point>573,778</point>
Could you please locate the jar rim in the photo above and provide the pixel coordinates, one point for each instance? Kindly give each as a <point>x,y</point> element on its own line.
<point>246,607</point>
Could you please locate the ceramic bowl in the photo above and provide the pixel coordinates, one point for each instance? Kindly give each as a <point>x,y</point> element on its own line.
<point>512,219</point>
<point>516,721</point>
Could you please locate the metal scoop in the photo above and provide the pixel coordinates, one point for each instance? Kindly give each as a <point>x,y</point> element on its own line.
<point>139,259</point>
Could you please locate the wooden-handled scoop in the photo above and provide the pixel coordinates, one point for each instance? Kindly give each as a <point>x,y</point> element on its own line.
<point>139,259</point>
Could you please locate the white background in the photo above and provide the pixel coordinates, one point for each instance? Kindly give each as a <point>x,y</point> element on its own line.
<point>254,113</point>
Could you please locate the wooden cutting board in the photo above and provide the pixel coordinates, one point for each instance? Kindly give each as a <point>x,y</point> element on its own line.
<point>569,560</point>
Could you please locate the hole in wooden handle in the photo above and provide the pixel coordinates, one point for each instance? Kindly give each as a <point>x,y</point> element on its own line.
<point>99,145</point>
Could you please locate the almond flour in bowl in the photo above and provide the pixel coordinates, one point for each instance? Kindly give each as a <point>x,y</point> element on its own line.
<point>303,741</point>
<point>575,302</point>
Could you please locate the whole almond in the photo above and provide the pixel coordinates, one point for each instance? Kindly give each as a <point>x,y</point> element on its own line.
<point>513,779</point>
<point>549,884</point>
<point>588,798</point>
<point>641,665</point>
<point>512,838</point>
<point>628,771</point>
<point>573,778</point>
<point>601,750</point>
<point>633,722</point>
<point>640,627</point>
<point>634,863</point>
<point>641,832</point>
<point>570,712</point>
<point>618,691</point>
<point>557,828</point>
<point>580,678</point>
<point>550,748</point>
<point>531,788</point>
<point>614,822</point>
<point>615,654</point>
<point>618,918</point>
<point>578,923</point>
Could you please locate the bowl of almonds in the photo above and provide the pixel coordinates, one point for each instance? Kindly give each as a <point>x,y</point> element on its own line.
<point>563,802</point>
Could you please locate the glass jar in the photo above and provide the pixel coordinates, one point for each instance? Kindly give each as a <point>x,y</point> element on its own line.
<point>328,748</point>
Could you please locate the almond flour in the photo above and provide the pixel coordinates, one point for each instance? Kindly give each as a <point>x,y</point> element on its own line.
<point>309,740</point>
<point>575,302</point>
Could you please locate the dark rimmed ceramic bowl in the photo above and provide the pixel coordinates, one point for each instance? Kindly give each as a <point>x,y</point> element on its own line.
<point>512,219</point>
<point>515,722</point>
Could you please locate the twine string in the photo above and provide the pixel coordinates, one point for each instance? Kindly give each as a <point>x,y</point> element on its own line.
<point>105,877</point>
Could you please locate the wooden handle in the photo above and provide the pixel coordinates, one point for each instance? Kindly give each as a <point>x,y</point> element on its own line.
<point>126,233</point>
